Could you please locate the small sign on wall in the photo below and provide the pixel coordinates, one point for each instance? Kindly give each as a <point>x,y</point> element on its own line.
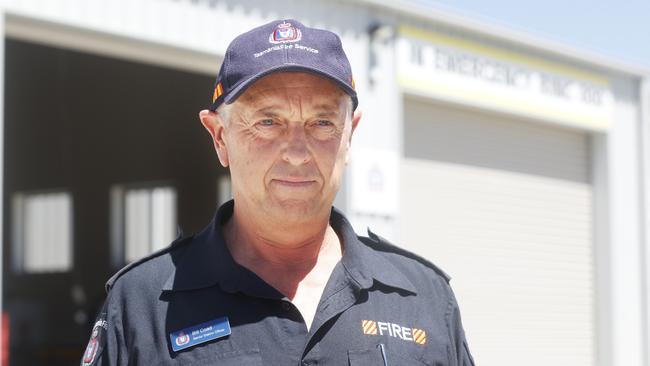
<point>374,181</point>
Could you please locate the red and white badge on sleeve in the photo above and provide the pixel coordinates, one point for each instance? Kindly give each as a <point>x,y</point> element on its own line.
<point>95,344</point>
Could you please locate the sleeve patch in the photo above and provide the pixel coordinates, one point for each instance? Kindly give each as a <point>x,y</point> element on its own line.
<point>96,342</point>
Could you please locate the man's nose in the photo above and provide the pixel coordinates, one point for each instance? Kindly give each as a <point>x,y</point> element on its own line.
<point>296,151</point>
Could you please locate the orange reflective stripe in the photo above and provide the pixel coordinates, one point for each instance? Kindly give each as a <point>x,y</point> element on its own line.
<point>419,336</point>
<point>369,327</point>
<point>218,90</point>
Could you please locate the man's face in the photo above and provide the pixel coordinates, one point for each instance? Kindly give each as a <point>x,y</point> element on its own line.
<point>286,140</point>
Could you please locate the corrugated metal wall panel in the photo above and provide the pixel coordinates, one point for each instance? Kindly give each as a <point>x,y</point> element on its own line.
<point>505,206</point>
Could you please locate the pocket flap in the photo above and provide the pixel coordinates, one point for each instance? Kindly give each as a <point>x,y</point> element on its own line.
<point>366,357</point>
<point>375,357</point>
<point>236,358</point>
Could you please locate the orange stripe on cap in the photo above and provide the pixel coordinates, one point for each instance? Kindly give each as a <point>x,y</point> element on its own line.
<point>218,91</point>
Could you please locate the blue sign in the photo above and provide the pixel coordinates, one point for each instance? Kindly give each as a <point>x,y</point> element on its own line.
<point>201,333</point>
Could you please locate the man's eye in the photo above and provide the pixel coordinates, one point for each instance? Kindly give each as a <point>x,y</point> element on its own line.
<point>266,122</point>
<point>324,123</point>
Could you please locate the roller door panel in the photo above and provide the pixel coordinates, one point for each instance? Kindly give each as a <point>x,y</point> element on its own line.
<point>504,206</point>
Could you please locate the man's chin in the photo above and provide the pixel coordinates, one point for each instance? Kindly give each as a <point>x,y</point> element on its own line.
<point>298,209</point>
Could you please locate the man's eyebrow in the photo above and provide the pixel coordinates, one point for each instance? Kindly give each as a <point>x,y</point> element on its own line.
<point>268,110</point>
<point>328,115</point>
<point>328,107</point>
<point>327,110</point>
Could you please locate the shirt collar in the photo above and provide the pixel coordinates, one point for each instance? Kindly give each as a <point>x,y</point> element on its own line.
<point>207,262</point>
<point>364,264</point>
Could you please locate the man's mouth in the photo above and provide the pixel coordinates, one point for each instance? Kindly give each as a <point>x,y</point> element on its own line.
<point>294,181</point>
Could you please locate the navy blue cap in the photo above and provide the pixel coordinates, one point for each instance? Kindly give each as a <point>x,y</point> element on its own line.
<point>281,45</point>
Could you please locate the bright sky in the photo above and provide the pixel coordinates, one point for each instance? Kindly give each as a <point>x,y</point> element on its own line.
<point>617,29</point>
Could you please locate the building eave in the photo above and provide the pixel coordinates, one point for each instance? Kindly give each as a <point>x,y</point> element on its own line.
<point>515,37</point>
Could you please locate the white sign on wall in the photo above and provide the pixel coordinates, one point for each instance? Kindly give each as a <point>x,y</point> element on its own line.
<point>472,73</point>
<point>374,177</point>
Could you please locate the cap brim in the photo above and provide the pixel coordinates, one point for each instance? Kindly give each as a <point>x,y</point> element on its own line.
<point>241,88</point>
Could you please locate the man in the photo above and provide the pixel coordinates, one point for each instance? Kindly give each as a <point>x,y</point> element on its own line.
<point>279,277</point>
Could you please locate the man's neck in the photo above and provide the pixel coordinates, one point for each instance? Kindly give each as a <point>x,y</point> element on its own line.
<point>283,256</point>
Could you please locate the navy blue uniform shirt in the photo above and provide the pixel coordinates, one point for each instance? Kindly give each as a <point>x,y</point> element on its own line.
<point>192,304</point>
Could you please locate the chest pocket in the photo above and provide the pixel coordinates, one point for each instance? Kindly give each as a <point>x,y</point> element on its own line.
<point>375,357</point>
<point>235,358</point>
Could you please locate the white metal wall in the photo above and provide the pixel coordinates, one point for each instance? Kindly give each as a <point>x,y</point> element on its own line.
<point>505,206</point>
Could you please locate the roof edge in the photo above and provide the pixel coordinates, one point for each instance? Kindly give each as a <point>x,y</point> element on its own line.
<point>519,38</point>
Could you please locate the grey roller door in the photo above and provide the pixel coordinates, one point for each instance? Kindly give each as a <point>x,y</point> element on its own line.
<point>505,206</point>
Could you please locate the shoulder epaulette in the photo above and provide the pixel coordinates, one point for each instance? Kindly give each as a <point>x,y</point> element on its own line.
<point>383,245</point>
<point>177,242</point>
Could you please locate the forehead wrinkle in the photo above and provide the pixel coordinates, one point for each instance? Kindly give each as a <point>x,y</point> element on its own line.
<point>320,110</point>
<point>282,95</point>
<point>279,101</point>
<point>271,96</point>
<point>297,101</point>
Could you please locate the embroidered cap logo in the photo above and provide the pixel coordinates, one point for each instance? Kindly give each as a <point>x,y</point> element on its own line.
<point>285,33</point>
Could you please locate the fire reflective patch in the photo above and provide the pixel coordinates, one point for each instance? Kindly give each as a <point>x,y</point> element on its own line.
<point>415,335</point>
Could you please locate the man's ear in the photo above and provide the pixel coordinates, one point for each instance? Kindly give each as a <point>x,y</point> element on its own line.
<point>356,118</point>
<point>214,123</point>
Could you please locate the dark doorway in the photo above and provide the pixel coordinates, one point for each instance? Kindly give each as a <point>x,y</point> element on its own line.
<point>84,123</point>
